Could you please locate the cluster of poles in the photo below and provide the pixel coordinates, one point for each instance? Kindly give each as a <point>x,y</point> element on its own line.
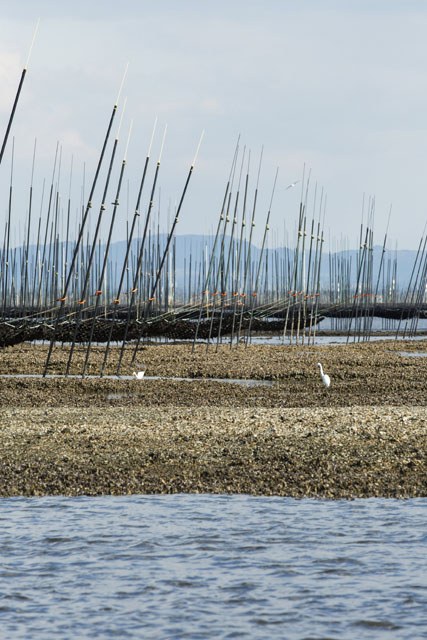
<point>72,287</point>
<point>375,291</point>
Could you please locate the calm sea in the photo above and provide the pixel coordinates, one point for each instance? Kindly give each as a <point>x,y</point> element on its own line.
<point>201,566</point>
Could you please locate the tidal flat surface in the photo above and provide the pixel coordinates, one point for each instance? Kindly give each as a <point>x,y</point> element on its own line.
<point>285,434</point>
<point>187,566</point>
<point>344,452</point>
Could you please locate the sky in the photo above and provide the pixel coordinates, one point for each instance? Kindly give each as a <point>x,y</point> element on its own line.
<point>330,90</point>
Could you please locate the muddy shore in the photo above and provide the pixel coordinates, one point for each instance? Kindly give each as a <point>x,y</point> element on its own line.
<point>364,436</point>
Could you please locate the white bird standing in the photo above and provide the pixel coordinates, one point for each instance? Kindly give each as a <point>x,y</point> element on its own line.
<point>325,378</point>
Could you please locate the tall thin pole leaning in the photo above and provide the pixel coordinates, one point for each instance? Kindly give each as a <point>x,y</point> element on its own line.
<point>175,222</point>
<point>230,249</point>
<point>6,260</point>
<point>255,292</point>
<point>136,215</point>
<point>248,253</point>
<point>84,289</point>
<point>239,255</point>
<point>79,238</point>
<point>18,93</point>
<point>140,255</point>
<point>212,258</point>
<point>24,294</point>
<point>98,292</point>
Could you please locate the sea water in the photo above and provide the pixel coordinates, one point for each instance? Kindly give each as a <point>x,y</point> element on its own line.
<point>209,566</point>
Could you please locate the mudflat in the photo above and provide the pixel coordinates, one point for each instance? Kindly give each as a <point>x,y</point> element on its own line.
<point>286,434</point>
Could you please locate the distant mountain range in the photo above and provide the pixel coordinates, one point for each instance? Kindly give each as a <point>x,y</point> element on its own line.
<point>199,248</point>
<point>194,251</point>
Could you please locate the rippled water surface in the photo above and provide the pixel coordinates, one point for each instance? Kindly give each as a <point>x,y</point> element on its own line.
<point>205,566</point>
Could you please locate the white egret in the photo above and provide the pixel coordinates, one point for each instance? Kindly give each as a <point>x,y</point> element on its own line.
<point>325,378</point>
<point>140,374</point>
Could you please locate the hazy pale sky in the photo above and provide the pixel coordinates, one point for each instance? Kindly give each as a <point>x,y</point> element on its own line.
<point>337,86</point>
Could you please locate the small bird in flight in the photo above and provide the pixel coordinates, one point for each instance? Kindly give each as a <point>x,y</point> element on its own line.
<point>293,184</point>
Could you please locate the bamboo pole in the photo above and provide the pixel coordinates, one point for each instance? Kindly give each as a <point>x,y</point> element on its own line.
<point>81,231</point>
<point>255,292</point>
<point>140,256</point>
<point>99,292</point>
<point>125,268</point>
<point>165,253</point>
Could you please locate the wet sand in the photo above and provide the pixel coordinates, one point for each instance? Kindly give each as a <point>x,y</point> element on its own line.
<point>364,436</point>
